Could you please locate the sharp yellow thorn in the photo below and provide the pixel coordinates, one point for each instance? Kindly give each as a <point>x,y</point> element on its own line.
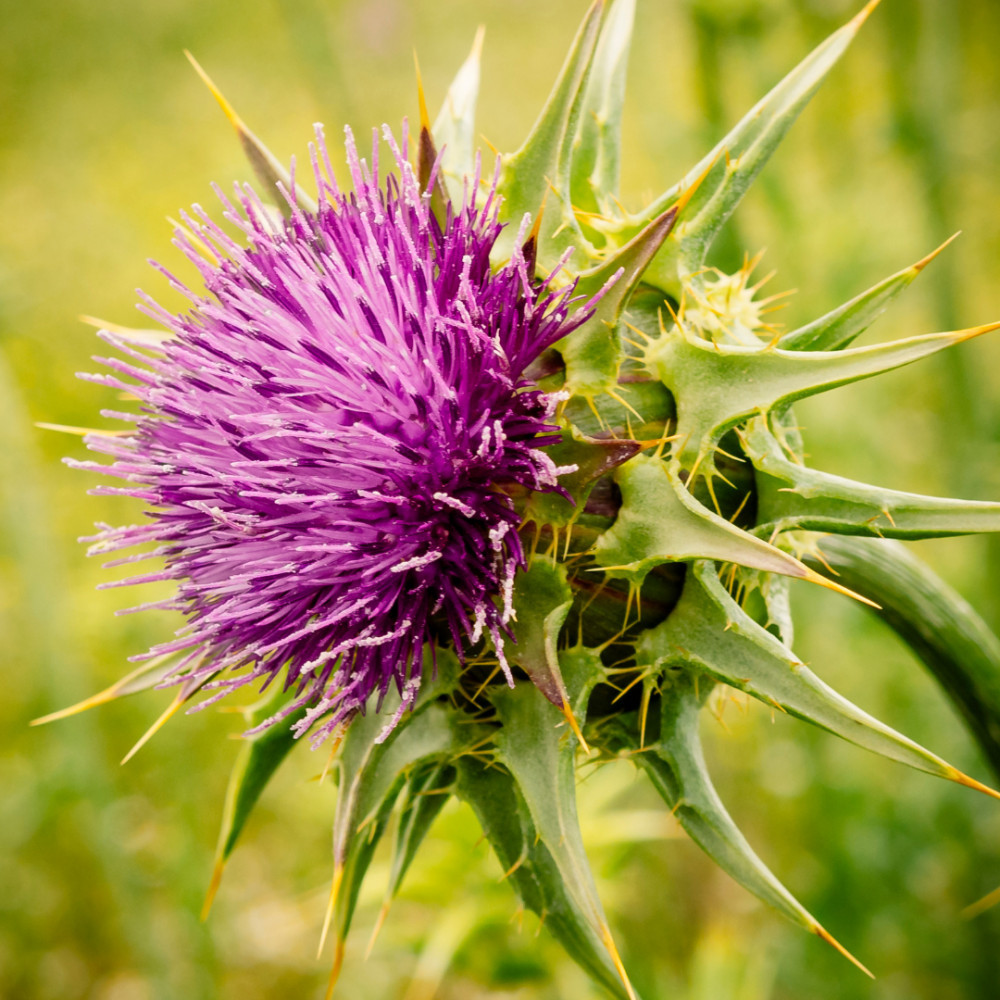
<point>863,14</point>
<point>826,936</point>
<point>203,248</point>
<point>167,715</point>
<point>493,150</point>
<point>425,118</point>
<point>338,877</point>
<point>537,226</point>
<point>976,331</point>
<point>81,431</point>
<point>379,921</point>
<point>477,42</point>
<point>513,868</point>
<point>103,324</point>
<point>617,961</point>
<point>213,888</point>
<point>924,261</point>
<point>689,192</point>
<point>338,961</point>
<point>739,510</point>
<point>645,336</point>
<point>813,577</point>
<point>618,398</point>
<point>227,108</point>
<point>982,905</point>
<point>329,761</point>
<point>647,694</point>
<point>963,779</point>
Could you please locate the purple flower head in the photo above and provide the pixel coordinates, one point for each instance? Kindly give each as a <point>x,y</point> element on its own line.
<point>327,438</point>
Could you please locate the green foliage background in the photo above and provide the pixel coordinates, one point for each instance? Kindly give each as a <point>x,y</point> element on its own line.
<point>104,130</point>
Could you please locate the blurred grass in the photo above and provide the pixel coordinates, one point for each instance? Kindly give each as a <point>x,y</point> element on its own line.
<point>104,131</point>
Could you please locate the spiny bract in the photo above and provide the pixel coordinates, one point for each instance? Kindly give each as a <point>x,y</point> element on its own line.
<point>391,403</point>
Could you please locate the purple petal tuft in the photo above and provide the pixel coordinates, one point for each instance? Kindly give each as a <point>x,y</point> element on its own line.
<point>328,441</point>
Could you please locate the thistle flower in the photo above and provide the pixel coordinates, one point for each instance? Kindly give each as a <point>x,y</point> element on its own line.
<point>327,436</point>
<point>356,483</point>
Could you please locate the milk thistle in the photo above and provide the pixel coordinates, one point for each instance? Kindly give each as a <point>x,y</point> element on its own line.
<point>475,474</point>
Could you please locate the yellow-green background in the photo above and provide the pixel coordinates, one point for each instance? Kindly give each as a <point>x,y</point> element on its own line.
<point>104,130</point>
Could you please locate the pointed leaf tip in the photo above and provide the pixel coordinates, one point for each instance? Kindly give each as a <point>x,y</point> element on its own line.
<point>963,779</point>
<point>811,576</point>
<point>227,108</point>
<point>858,20</point>
<point>270,171</point>
<point>826,936</point>
<point>924,261</point>
<point>960,336</point>
<point>213,888</point>
<point>425,118</point>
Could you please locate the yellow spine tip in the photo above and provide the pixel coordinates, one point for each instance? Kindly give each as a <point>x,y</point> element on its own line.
<point>425,118</point>
<point>924,261</point>
<point>982,905</point>
<point>813,577</point>
<point>338,877</point>
<point>826,936</point>
<point>863,14</point>
<point>168,714</point>
<point>963,779</point>
<point>975,331</point>
<point>477,42</point>
<point>380,920</point>
<point>227,108</point>
<point>213,888</point>
<point>616,960</point>
<point>338,961</point>
<point>567,711</point>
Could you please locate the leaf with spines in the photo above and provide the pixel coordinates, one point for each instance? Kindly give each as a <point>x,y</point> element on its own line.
<point>791,496</point>
<point>716,386</point>
<point>736,161</point>
<point>708,631</point>
<point>938,624</point>
<point>541,167</point>
<point>660,522</point>
<point>675,764</point>
<point>596,162</point>
<point>840,327</point>
<point>529,867</point>
<point>454,128</point>
<point>541,756</point>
